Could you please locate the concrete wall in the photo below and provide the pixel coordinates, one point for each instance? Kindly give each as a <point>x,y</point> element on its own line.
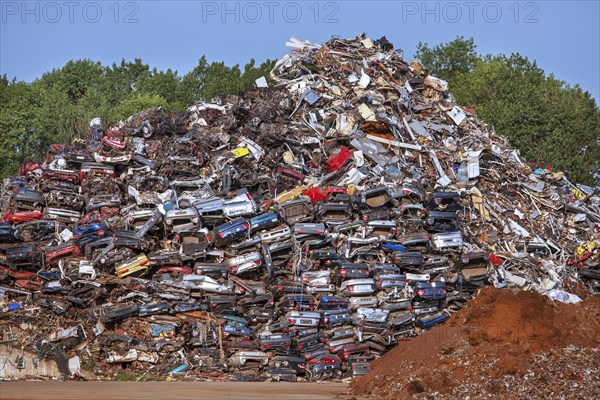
<point>33,365</point>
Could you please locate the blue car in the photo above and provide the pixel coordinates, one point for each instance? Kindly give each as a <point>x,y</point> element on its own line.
<point>431,320</point>
<point>264,221</point>
<point>429,291</point>
<point>332,318</point>
<point>231,231</point>
<point>333,303</point>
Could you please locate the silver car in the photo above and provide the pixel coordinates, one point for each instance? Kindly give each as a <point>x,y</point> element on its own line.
<point>364,314</point>
<point>446,240</point>
<point>204,283</point>
<point>366,301</point>
<point>240,205</point>
<point>209,207</point>
<point>316,278</point>
<point>303,318</point>
<point>179,220</point>
<point>322,289</point>
<point>243,358</point>
<point>61,215</point>
<point>276,235</point>
<point>244,263</point>
<point>358,287</point>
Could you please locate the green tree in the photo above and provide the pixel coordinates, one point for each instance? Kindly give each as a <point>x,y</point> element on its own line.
<point>449,61</point>
<point>191,87</point>
<point>160,83</point>
<point>252,73</point>
<point>122,79</point>
<point>136,103</point>
<point>16,117</point>
<point>221,79</point>
<point>74,78</point>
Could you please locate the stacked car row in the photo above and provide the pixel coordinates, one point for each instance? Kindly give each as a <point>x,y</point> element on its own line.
<point>269,279</point>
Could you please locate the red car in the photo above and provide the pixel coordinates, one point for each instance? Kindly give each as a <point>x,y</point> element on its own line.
<point>28,167</point>
<point>21,216</point>
<point>54,254</point>
<point>62,175</point>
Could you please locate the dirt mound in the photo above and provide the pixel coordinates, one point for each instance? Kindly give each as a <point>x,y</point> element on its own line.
<point>502,343</point>
<point>527,319</point>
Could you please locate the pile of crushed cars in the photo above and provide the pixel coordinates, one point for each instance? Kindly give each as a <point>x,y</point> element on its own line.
<point>296,231</point>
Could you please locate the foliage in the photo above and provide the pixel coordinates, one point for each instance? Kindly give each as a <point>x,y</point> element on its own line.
<point>130,377</point>
<point>89,364</point>
<point>549,121</point>
<point>450,60</point>
<point>136,102</point>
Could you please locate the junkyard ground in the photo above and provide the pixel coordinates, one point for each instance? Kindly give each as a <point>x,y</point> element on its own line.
<point>169,390</point>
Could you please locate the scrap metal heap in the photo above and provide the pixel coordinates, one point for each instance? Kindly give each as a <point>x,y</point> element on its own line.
<point>292,232</point>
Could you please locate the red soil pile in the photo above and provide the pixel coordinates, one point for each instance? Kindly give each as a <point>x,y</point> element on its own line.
<point>502,344</point>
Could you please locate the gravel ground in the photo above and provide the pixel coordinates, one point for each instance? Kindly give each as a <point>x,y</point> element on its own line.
<point>170,390</point>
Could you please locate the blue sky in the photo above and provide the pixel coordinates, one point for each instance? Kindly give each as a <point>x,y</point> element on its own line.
<point>36,36</point>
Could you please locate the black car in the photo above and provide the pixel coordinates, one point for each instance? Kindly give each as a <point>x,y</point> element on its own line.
<point>166,258</point>
<point>296,363</point>
<point>154,308</point>
<point>109,314</point>
<point>214,270</point>
<point>23,256</point>
<point>231,231</point>
<point>441,221</point>
<point>275,341</point>
<point>445,201</point>
<point>302,302</point>
<point>351,271</point>
<point>334,213</point>
<point>26,198</point>
<point>7,232</point>
<point>38,230</point>
<point>262,301</point>
<point>408,259</point>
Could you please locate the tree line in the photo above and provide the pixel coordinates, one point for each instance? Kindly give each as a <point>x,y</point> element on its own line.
<point>549,121</point>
